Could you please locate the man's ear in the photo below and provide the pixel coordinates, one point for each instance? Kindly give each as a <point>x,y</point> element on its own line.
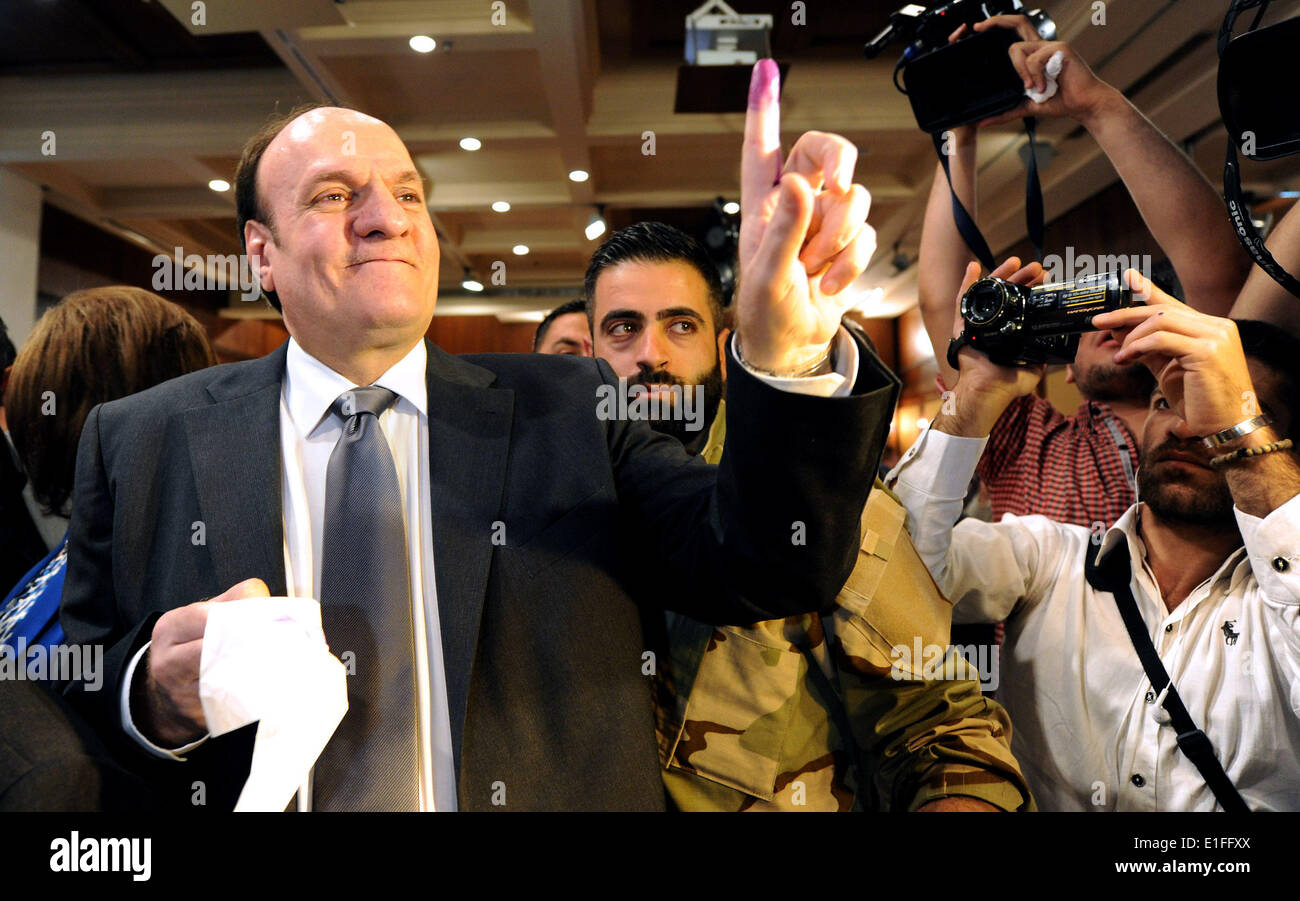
<point>722,351</point>
<point>1069,373</point>
<point>256,238</point>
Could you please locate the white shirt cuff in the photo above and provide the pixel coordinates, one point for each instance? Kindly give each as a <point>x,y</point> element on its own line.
<point>945,467</point>
<point>833,384</point>
<point>1273,545</point>
<point>129,726</point>
<point>931,480</point>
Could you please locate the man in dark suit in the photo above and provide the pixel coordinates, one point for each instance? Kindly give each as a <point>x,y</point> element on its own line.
<point>529,660</point>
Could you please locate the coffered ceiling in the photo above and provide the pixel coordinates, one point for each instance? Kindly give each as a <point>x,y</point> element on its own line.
<point>148,104</point>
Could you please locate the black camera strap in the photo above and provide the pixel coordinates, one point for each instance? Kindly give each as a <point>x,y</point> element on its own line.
<point>1033,191</point>
<point>966,226</point>
<point>1235,9</point>
<point>1244,226</point>
<point>1113,574</point>
<point>970,232</point>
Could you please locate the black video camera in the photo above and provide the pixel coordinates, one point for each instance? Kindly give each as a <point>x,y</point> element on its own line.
<point>971,79</point>
<point>1018,326</point>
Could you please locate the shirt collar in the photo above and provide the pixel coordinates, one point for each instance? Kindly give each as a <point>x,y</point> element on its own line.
<point>310,387</point>
<point>1126,529</point>
<point>1095,410</point>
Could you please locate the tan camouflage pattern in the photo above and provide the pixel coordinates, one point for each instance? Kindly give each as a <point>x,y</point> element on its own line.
<point>744,725</point>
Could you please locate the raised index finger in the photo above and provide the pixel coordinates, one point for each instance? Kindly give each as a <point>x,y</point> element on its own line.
<point>760,162</point>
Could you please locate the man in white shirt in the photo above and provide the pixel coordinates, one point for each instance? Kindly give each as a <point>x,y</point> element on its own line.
<point>523,667</point>
<point>1214,550</point>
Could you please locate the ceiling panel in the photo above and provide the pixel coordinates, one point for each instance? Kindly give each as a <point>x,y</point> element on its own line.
<point>405,87</point>
<point>147,109</point>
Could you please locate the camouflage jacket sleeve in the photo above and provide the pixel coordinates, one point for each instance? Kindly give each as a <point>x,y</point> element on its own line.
<point>914,702</point>
<point>754,718</point>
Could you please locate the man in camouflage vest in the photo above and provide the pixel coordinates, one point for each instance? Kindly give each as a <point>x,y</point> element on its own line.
<point>838,712</point>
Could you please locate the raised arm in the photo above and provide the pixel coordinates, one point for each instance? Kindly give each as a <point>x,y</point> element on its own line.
<point>778,533</point>
<point>944,253</point>
<point>941,266</point>
<point>988,568</point>
<point>1181,208</point>
<point>1265,299</point>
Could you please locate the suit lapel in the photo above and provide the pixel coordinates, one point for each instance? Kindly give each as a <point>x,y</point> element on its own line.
<point>469,437</point>
<point>235,454</point>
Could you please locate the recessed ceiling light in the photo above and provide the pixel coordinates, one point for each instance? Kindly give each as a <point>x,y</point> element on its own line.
<point>470,143</point>
<point>579,175</point>
<point>500,206</point>
<point>219,184</point>
<point>422,43</point>
<point>731,208</point>
<point>520,249</point>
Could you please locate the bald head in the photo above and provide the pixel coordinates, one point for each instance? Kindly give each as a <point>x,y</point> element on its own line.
<point>248,199</point>
<point>333,208</point>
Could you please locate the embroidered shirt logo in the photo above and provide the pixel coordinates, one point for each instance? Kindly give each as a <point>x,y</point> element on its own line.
<point>1230,635</point>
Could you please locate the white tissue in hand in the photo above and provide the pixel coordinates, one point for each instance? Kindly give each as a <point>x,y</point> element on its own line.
<point>1051,71</point>
<point>265,660</point>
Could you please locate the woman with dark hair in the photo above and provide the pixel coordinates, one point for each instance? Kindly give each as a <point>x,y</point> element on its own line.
<point>95,346</point>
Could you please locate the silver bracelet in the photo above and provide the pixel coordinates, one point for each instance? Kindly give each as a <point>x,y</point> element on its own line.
<point>802,373</point>
<point>1240,430</point>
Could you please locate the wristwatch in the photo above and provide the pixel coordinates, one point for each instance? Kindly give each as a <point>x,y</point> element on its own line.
<point>1240,430</point>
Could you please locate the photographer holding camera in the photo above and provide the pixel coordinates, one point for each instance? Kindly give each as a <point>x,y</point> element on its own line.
<point>1079,469</point>
<point>1098,725</point>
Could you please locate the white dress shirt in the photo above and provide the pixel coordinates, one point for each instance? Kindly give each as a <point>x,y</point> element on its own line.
<point>308,433</point>
<point>1088,730</point>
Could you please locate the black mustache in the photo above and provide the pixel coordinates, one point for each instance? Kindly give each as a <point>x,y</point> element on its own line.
<point>655,378</point>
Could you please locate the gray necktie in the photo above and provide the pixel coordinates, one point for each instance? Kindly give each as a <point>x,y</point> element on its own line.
<point>372,762</point>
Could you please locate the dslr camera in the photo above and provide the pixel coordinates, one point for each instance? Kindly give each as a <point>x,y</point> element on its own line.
<point>1019,326</point>
<point>955,84</point>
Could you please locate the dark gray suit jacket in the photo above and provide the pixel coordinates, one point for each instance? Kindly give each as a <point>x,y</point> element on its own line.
<point>542,635</point>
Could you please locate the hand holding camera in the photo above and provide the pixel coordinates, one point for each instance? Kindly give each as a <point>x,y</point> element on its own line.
<point>985,388</point>
<point>1080,94</point>
<point>1025,325</point>
<point>1196,358</point>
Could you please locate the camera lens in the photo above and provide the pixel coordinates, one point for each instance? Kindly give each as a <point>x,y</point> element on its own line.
<point>983,302</point>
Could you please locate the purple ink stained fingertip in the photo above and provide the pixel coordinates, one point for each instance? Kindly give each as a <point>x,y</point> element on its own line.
<point>763,82</point>
<point>764,93</point>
